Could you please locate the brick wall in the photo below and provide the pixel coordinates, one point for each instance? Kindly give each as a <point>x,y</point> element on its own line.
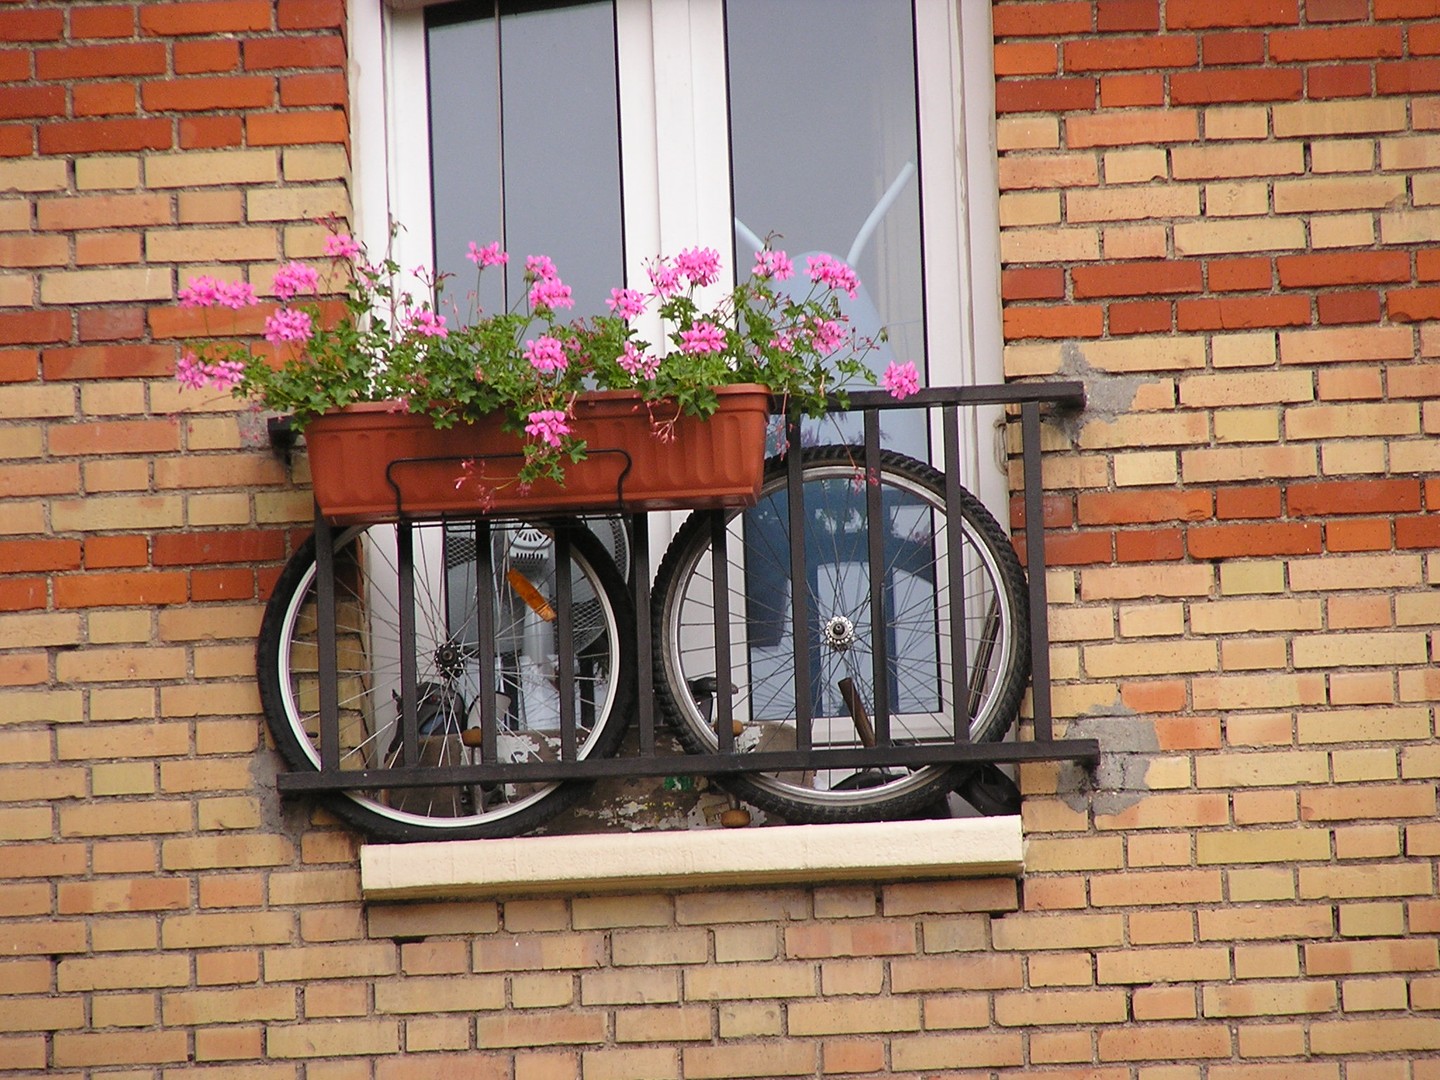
<point>1216,213</point>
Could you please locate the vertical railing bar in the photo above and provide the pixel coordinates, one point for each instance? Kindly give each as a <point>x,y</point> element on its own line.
<point>799,584</point>
<point>645,645</point>
<point>955,571</point>
<point>1035,567</point>
<point>875,531</point>
<point>325,630</point>
<point>565,643</point>
<point>405,555</point>
<point>485,645</point>
<point>724,696</point>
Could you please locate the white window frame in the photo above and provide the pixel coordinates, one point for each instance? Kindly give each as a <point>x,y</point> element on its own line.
<point>675,165</point>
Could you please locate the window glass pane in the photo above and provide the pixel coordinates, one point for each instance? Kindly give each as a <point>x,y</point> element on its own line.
<point>823,133</point>
<point>525,143</point>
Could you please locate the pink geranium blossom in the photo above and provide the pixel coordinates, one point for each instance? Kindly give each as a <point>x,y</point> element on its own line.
<point>548,425</point>
<point>703,337</point>
<point>775,265</point>
<point>901,380</point>
<point>489,255</point>
<point>550,293</point>
<point>190,372</point>
<point>237,295</point>
<point>426,323</point>
<point>626,303</point>
<point>540,268</point>
<point>665,278</point>
<point>341,246</point>
<point>295,278</point>
<point>700,265</point>
<point>830,271</point>
<point>546,355</point>
<point>638,363</point>
<point>827,335</point>
<point>288,324</point>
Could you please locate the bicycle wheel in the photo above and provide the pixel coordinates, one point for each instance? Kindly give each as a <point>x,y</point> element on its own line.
<point>445,611</point>
<point>924,694</point>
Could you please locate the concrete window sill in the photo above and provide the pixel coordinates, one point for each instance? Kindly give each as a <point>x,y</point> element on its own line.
<point>673,861</point>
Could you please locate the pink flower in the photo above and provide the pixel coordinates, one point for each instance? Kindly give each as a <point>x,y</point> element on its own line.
<point>203,291</point>
<point>539,267</point>
<point>830,271</point>
<point>341,246</point>
<point>664,277</point>
<point>295,278</point>
<point>626,303</point>
<point>901,380</point>
<point>550,293</point>
<point>548,425</point>
<point>546,355</point>
<point>489,255</point>
<point>237,295</point>
<point>426,323</point>
<point>190,372</point>
<point>638,363</point>
<point>700,265</point>
<point>703,337</point>
<point>226,374</point>
<point>288,325</point>
<point>773,264</point>
<point>827,335</point>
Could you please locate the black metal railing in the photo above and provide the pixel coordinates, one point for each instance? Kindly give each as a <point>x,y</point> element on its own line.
<point>1028,400</point>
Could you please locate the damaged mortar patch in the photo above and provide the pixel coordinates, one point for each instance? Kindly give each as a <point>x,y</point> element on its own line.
<point>1128,747</point>
<point>1108,396</point>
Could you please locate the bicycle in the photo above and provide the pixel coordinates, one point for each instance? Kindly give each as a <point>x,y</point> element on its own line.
<point>562,617</point>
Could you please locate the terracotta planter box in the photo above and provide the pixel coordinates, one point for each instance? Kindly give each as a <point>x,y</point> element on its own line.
<point>369,463</point>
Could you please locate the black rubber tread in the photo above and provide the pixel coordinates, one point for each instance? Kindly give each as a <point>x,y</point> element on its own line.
<point>983,528</point>
<point>355,811</point>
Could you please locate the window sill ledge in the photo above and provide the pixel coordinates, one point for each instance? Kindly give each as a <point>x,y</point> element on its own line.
<point>673,861</point>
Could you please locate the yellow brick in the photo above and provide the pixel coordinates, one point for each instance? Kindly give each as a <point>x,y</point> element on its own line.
<point>1190,964</point>
<point>1364,725</point>
<point>1257,691</point>
<point>19,402</point>
<point>92,286</point>
<point>1269,999</point>
<point>1067,245</point>
<point>1132,354</point>
<point>1408,226</point>
<point>1246,425</point>
<point>120,1048</point>
<point>659,947</point>
<point>1230,237</point>
<point>742,1060</point>
<point>117,665</point>
<point>1380,919</point>
<point>746,981</point>
<point>1236,200</point>
<point>1347,193</point>
<point>117,512</point>
<point>210,245</point>
<point>193,169</point>
<point>738,1021</point>
<point>831,1017</point>
<point>1027,133</point>
<point>1347,882</point>
<point>1339,118</point>
<point>1262,846</point>
<point>1246,616</point>
<point>333,1038</point>
<point>1375,1036</point>
<point>1032,932</point>
<point>1139,582</point>
<point>1135,242</point>
<point>1247,463</point>
<point>1262,769</point>
<point>1132,203</point>
<point>1237,923</point>
<point>1135,166</point>
<point>1342,231</point>
<point>123,1010</point>
<point>446,994</point>
<point>1252,578</point>
<point>1029,208</point>
<point>1211,162</point>
<point>682,1024</point>
<point>1260,883</point>
<point>1244,350</point>
<point>1340,421</point>
<point>1374,995</point>
<point>1152,620</point>
<point>1350,344</point>
<point>295,203</point>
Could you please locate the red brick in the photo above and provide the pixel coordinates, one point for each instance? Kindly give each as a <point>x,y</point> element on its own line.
<point>296,129</point>
<point>101,136</point>
<point>1037,284</point>
<point>119,590</point>
<point>1359,534</point>
<point>115,437</point>
<point>1427,265</point>
<point>1238,275</point>
<point>222,585</point>
<point>111,324</point>
<point>1411,77</point>
<point>1352,497</point>
<point>1417,533</point>
<point>1143,317</point>
<point>1340,43</point>
<point>31,101</point>
<point>102,21</point>
<point>19,365</point>
<point>310,14</point>
<point>1136,53</point>
<point>1412,305</point>
<point>1112,15</point>
<point>1127,508</point>
<point>199,548</point>
<point>29,556</point>
<point>1192,14</point>
<point>14,66</point>
<point>1074,549</point>
<point>1044,95</point>
<point>1026,58</point>
<point>1336,10</point>
<point>101,61</point>
<point>1042,19</point>
<point>17,140</point>
<point>109,362</point>
<point>207,57</point>
<point>205,17</point>
<point>1146,278</point>
<point>298,91</point>
<point>209,132</point>
<point>1240,48</point>
<point>1149,545</point>
<point>1351,268</point>
<point>1068,321</point>
<point>105,99</point>
<point>1340,81</point>
<point>1122,91</point>
<point>34,327</point>
<point>1424,39</point>
<point>209,94</point>
<point>265,54</point>
<point>1260,84</point>
<point>47,25</point>
<point>116,552</point>
<point>1056,509</point>
<point>1337,308</point>
<point>1152,697</point>
<point>1241,541</point>
<point>22,594</point>
<point>1240,313</point>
